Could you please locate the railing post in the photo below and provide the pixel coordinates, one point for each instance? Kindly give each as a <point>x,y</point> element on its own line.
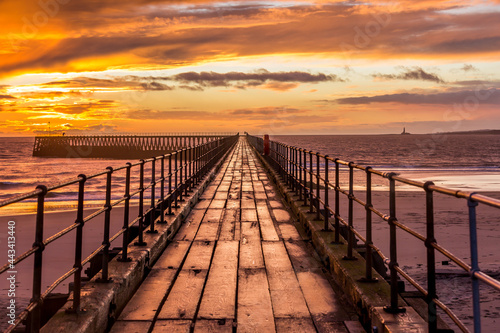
<point>77,277</point>
<point>36,315</point>
<point>299,164</point>
<point>296,170</point>
<point>337,202</point>
<point>311,185</point>
<point>152,207</point>
<point>304,185</point>
<point>181,181</point>
<point>369,242</point>
<point>107,221</point>
<point>431,259</point>
<point>126,214</point>
<point>317,187</point>
<point>393,308</point>
<point>162,191</point>
<point>326,226</point>
<point>170,184</point>
<point>350,234</point>
<point>474,263</point>
<point>140,241</point>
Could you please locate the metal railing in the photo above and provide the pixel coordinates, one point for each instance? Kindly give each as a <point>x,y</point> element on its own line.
<point>300,170</point>
<point>180,171</point>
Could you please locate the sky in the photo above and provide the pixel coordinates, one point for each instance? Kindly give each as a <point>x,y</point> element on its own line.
<point>276,67</point>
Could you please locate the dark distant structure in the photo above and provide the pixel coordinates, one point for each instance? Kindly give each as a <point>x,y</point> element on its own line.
<point>405,132</point>
<point>118,146</point>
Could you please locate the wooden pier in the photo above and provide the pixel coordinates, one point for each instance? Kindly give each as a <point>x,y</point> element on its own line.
<point>238,263</point>
<point>117,146</point>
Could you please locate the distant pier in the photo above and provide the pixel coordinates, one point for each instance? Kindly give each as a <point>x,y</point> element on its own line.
<point>118,146</point>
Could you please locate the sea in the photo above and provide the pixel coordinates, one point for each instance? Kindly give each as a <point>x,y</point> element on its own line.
<point>467,162</point>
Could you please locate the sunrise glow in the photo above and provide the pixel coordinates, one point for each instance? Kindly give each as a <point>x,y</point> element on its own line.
<point>278,67</point>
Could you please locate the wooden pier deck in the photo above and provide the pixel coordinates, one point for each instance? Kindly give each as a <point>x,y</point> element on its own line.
<point>238,263</point>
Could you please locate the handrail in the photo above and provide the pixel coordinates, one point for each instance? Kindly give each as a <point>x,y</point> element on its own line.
<point>311,184</point>
<point>180,172</point>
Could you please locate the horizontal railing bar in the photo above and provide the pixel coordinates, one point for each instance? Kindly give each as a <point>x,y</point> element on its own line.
<point>19,259</point>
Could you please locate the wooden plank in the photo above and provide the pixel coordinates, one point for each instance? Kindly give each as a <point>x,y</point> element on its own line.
<point>219,296</point>
<point>260,195</point>
<point>321,299</point>
<point>254,312</point>
<point>302,256</point>
<point>276,204</point>
<point>202,204</point>
<point>130,326</point>
<point>250,232</point>
<point>294,325</point>
<point>249,215</point>
<point>173,255</point>
<point>189,227</point>
<point>182,301</point>
<point>213,326</point>
<point>213,215</point>
<point>207,232</point>
<point>229,220</point>
<point>281,215</point>
<point>218,203</point>
<point>266,224</point>
<point>286,295</point>
<point>199,256</point>
<point>220,196</point>
<point>289,232</point>
<point>233,204</point>
<point>251,255</point>
<point>146,301</point>
<point>171,326</point>
<point>247,203</point>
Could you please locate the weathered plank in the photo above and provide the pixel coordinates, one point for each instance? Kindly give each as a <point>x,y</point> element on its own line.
<point>289,232</point>
<point>213,215</point>
<point>286,295</point>
<point>171,326</point>
<point>266,223</point>
<point>248,215</point>
<point>229,220</point>
<point>199,256</point>
<point>146,301</point>
<point>208,231</point>
<point>173,255</point>
<point>254,312</point>
<point>213,326</point>
<point>219,296</point>
<point>182,301</point>
<point>251,255</point>
<point>249,232</point>
<point>131,326</point>
<point>294,325</point>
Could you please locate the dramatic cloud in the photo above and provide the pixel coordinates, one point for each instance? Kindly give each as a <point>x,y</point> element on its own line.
<point>7,97</point>
<point>277,81</point>
<point>469,68</point>
<point>415,73</point>
<point>489,96</point>
<point>150,34</point>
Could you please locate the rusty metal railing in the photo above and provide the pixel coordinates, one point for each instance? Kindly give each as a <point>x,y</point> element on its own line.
<point>186,167</point>
<point>296,168</point>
